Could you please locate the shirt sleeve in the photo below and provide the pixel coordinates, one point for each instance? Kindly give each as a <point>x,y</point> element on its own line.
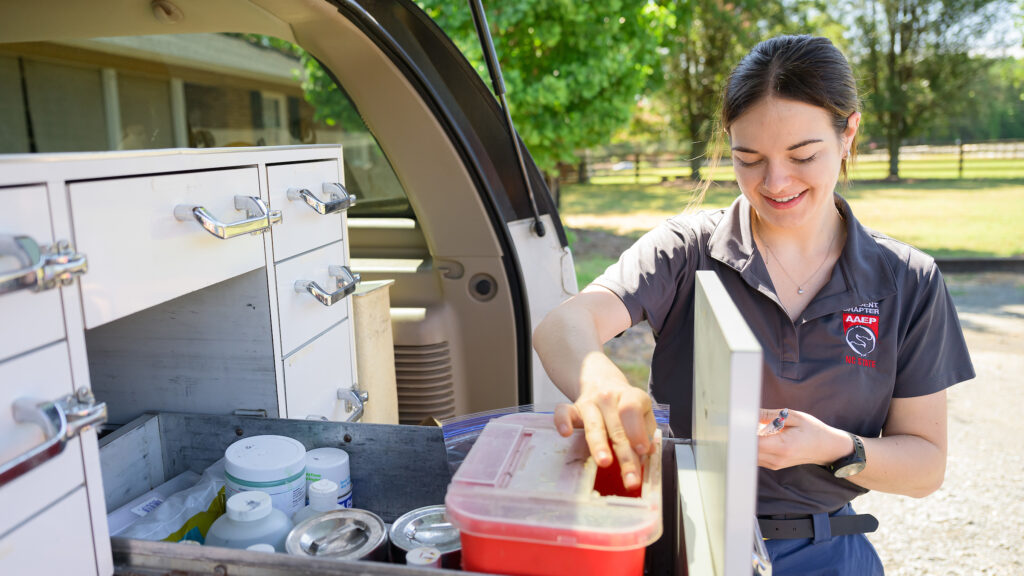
<point>648,273</point>
<point>933,354</point>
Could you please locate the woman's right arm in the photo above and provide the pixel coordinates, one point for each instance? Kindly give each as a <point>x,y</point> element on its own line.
<point>570,342</point>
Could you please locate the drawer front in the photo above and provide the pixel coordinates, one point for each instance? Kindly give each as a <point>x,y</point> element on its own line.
<point>302,316</point>
<point>31,318</point>
<point>45,375</point>
<point>302,228</point>
<point>314,374</point>
<point>58,541</point>
<point>141,255</point>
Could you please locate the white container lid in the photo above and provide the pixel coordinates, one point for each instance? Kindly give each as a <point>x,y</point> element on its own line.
<point>249,506</point>
<point>265,458</point>
<point>323,495</point>
<point>261,547</point>
<point>327,458</point>
<point>423,556</point>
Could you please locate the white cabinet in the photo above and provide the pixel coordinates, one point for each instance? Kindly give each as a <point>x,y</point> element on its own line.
<point>189,304</point>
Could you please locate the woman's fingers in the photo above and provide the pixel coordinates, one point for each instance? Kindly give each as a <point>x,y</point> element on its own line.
<point>595,431</point>
<point>567,417</point>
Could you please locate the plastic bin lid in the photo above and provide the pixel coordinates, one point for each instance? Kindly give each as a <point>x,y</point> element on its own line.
<point>265,458</point>
<point>523,481</point>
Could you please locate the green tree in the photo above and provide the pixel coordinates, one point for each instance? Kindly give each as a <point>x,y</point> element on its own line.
<point>914,56</point>
<point>705,39</point>
<point>573,70</point>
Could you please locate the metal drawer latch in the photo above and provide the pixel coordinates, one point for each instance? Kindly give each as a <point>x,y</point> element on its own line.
<point>61,420</point>
<point>42,267</point>
<point>347,282</point>
<point>339,198</point>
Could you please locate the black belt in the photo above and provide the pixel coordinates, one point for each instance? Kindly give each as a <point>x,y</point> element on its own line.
<point>804,527</point>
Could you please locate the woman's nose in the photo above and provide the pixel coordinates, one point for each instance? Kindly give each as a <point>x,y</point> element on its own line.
<point>777,177</point>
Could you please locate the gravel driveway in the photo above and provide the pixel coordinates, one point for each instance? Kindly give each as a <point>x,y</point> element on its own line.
<point>975,523</point>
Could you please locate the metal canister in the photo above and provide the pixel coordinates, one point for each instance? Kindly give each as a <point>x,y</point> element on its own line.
<point>426,527</point>
<point>349,534</point>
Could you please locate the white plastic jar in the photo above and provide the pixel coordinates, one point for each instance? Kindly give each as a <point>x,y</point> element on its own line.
<point>330,464</point>
<point>250,520</point>
<point>272,464</point>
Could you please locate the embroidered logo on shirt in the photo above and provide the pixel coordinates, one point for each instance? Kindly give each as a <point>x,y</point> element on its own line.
<point>860,325</point>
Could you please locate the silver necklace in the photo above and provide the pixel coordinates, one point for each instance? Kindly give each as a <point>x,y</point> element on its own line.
<point>800,285</point>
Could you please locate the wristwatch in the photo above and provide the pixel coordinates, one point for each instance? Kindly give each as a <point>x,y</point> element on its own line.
<point>852,463</point>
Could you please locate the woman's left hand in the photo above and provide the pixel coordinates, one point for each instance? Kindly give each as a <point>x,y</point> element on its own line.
<point>803,440</point>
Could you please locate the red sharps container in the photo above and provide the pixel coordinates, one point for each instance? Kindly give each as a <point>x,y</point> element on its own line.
<point>529,502</point>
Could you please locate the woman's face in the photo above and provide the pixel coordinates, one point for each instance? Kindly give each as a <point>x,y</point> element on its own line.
<point>787,157</point>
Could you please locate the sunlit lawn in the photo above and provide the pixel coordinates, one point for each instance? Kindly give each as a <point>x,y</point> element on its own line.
<point>946,218</point>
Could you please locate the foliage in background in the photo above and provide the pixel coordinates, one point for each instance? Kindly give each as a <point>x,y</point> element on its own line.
<point>573,70</point>
<point>332,107</point>
<point>993,107</point>
<point>914,56</point>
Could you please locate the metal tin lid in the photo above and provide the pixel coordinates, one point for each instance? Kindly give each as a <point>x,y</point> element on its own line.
<point>428,526</point>
<point>350,534</point>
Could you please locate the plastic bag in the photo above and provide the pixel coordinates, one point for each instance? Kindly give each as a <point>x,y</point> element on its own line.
<point>461,432</point>
<point>186,515</point>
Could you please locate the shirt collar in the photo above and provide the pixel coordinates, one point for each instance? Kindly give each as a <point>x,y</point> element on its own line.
<point>861,274</point>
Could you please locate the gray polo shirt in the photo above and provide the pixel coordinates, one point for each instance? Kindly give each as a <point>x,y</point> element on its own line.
<point>883,327</point>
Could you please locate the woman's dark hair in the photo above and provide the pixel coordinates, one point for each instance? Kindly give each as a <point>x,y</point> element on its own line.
<point>804,69</point>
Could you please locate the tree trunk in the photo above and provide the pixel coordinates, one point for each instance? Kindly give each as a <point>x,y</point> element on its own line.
<point>582,173</point>
<point>697,151</point>
<point>554,189</point>
<point>894,150</point>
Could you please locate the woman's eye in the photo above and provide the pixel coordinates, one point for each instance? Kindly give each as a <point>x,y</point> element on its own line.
<point>748,164</point>
<point>805,160</point>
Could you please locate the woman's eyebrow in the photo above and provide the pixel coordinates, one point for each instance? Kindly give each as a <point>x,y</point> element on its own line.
<point>793,147</point>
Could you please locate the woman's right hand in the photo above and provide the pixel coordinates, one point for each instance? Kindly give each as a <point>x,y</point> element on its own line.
<point>620,413</point>
<point>570,342</point>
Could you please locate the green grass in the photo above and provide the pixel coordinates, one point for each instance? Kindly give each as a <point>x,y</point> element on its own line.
<point>591,267</point>
<point>638,374</point>
<point>946,218</point>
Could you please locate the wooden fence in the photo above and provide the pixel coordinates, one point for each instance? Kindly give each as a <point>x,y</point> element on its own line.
<point>996,160</point>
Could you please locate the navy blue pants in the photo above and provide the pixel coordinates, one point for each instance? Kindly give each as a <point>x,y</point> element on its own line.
<point>825,555</point>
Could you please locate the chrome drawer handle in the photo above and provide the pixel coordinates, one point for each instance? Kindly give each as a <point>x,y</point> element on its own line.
<point>355,402</point>
<point>61,420</point>
<point>43,267</point>
<point>259,218</point>
<point>347,281</point>
<point>340,199</point>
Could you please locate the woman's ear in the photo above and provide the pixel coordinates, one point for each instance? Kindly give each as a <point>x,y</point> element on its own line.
<point>852,124</point>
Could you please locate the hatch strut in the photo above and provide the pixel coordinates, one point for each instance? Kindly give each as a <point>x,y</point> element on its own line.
<point>487,43</point>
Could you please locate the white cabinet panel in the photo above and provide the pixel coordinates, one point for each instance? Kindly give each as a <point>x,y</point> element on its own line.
<point>32,318</point>
<point>302,228</point>
<point>43,375</point>
<point>58,541</point>
<point>303,317</point>
<point>141,255</point>
<point>314,374</point>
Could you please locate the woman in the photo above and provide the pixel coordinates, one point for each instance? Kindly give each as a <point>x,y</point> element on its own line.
<point>859,334</point>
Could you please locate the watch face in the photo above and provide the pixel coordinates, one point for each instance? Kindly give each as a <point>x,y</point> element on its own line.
<point>850,469</point>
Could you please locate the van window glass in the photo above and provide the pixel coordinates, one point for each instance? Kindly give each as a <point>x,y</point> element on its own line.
<point>190,90</point>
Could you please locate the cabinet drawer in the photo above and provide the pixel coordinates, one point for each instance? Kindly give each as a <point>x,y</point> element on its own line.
<point>303,317</point>
<point>32,318</point>
<point>314,374</point>
<point>58,541</point>
<point>302,227</point>
<point>141,255</point>
<point>44,375</point>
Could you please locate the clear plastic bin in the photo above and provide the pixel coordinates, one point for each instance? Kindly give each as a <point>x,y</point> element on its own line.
<point>529,502</point>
